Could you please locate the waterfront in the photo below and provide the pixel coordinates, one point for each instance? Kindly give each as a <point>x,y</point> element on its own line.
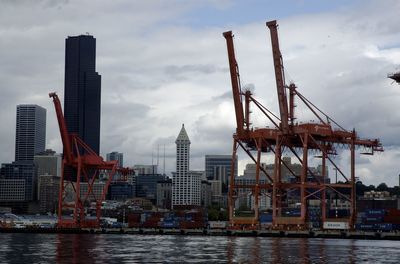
<point>114,248</point>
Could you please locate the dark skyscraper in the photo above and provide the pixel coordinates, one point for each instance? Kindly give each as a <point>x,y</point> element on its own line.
<point>30,135</point>
<point>82,90</point>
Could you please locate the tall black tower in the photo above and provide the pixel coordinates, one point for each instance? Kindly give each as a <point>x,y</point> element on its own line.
<point>82,90</point>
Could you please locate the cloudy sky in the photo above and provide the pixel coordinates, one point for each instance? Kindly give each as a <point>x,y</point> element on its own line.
<point>164,63</point>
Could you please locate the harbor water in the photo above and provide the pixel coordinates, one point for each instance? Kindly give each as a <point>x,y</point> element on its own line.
<point>115,248</point>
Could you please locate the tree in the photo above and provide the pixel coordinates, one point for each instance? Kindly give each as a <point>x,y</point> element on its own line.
<point>382,187</point>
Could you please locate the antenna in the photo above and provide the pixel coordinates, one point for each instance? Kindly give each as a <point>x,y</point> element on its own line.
<point>164,161</point>
<point>158,154</point>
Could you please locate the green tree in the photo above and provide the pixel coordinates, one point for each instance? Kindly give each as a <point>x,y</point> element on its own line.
<point>382,187</point>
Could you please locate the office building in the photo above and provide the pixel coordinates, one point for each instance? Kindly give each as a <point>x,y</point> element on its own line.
<point>185,186</point>
<point>30,136</point>
<point>218,167</point>
<point>48,190</point>
<point>164,194</point>
<point>120,191</point>
<point>116,156</point>
<point>97,190</point>
<point>48,162</point>
<point>205,193</point>
<point>82,90</point>
<point>146,186</point>
<point>145,169</point>
<point>25,171</point>
<point>12,190</point>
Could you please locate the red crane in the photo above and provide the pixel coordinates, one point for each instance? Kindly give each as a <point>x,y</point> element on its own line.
<point>235,81</point>
<point>296,139</point>
<point>80,164</point>
<point>279,76</point>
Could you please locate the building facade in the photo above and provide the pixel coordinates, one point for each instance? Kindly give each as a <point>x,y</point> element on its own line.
<point>146,186</point>
<point>97,190</point>
<point>12,190</point>
<point>48,163</point>
<point>145,169</point>
<point>185,186</point>
<point>120,191</point>
<point>205,193</point>
<point>24,171</point>
<point>30,135</point>
<point>164,194</point>
<point>82,90</point>
<point>48,190</point>
<point>219,167</point>
<point>116,156</point>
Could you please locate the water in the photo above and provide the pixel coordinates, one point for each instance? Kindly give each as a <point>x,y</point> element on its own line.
<point>108,248</point>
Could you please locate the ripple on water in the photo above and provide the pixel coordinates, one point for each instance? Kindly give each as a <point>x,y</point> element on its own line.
<point>107,248</point>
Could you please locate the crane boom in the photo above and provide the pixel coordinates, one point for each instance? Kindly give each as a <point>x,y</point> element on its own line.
<point>63,127</point>
<point>237,99</point>
<point>279,76</point>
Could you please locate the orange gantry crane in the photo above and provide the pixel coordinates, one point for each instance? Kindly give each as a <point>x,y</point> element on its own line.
<point>80,164</point>
<point>322,138</point>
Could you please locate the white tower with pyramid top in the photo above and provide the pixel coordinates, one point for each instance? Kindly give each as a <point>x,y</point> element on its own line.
<point>185,187</point>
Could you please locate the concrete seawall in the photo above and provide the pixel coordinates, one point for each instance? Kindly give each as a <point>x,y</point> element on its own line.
<point>214,232</point>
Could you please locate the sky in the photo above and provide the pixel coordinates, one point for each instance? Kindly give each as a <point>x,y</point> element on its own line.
<point>164,64</point>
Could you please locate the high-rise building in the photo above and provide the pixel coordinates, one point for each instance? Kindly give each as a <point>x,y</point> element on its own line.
<point>206,193</point>
<point>145,169</point>
<point>185,186</point>
<point>22,171</point>
<point>48,189</point>
<point>48,163</point>
<point>218,167</point>
<point>30,136</point>
<point>164,189</point>
<point>116,156</point>
<point>146,186</point>
<point>120,191</point>
<point>82,90</point>
<point>97,190</point>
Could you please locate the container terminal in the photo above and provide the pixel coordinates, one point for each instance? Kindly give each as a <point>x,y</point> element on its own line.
<point>300,203</point>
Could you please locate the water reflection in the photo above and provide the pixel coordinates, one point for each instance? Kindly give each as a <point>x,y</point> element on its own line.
<point>72,248</point>
<point>76,248</point>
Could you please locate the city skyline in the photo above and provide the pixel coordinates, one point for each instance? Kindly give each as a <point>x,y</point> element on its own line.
<point>150,89</point>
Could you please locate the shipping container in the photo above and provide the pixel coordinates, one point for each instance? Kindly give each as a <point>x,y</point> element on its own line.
<point>384,227</point>
<point>265,218</point>
<point>169,224</point>
<point>391,219</point>
<point>291,212</point>
<point>375,212</point>
<point>338,213</point>
<point>336,225</point>
<point>365,227</point>
<point>191,224</point>
<point>376,219</point>
<point>393,213</point>
<point>217,224</point>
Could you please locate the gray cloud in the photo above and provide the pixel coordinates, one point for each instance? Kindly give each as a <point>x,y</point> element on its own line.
<point>158,72</point>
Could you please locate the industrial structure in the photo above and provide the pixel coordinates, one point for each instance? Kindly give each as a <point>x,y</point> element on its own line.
<point>395,76</point>
<point>299,140</point>
<point>80,165</point>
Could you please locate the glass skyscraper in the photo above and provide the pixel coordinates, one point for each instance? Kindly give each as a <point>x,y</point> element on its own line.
<point>82,90</point>
<point>30,135</point>
<point>218,167</point>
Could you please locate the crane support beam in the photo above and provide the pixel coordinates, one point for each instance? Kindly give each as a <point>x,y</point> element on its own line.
<point>279,76</point>
<point>235,80</point>
<point>63,127</point>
